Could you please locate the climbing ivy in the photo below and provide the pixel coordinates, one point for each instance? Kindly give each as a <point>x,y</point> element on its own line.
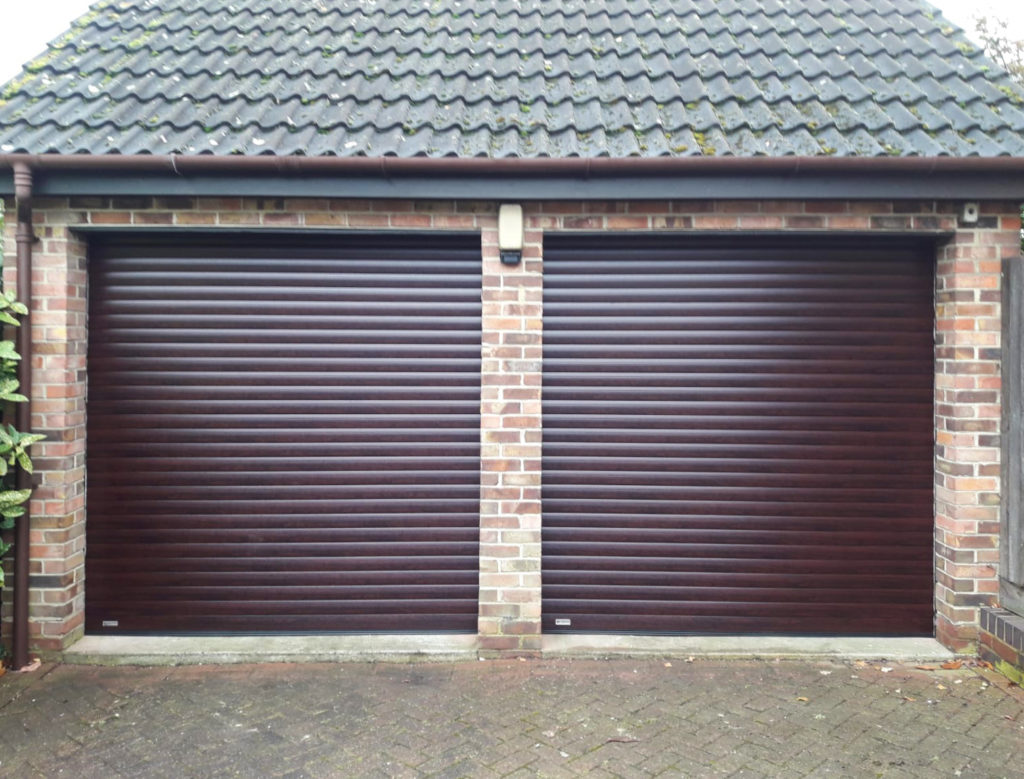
<point>13,443</point>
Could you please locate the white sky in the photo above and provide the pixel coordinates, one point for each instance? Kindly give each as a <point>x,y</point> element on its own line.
<point>27,25</point>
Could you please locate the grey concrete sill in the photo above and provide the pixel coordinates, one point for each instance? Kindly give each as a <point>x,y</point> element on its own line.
<point>182,650</point>
<point>749,647</point>
<point>177,650</point>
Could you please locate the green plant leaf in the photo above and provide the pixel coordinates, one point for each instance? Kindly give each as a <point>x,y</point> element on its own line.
<point>25,462</point>
<point>13,498</point>
<point>12,443</point>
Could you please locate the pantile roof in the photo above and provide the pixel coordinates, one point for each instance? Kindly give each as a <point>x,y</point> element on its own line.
<point>513,78</point>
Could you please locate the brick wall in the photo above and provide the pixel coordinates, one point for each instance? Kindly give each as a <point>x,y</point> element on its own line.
<point>967,419</point>
<point>510,448</point>
<point>966,393</point>
<point>1001,642</point>
<point>57,534</point>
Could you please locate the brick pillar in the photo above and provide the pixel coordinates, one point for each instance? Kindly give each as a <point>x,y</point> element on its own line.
<point>967,420</point>
<point>57,533</point>
<point>510,447</point>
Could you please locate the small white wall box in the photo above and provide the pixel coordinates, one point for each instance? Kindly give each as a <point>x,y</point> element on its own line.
<point>970,213</point>
<point>510,233</point>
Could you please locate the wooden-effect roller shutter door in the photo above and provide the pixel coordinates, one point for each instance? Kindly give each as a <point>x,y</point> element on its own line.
<point>284,436</point>
<point>737,435</point>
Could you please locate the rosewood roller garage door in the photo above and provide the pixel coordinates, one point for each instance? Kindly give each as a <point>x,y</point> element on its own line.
<point>284,436</point>
<point>737,436</point>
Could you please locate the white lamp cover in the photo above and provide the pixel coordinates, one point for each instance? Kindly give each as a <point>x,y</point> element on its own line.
<point>510,228</point>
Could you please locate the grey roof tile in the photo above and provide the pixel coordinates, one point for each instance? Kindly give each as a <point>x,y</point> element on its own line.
<point>525,78</point>
<point>1012,141</point>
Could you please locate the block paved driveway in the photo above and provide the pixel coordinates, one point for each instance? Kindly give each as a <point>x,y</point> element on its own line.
<point>553,718</point>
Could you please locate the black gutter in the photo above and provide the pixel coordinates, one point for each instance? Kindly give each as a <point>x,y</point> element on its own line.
<point>527,178</point>
<point>24,239</point>
<point>543,167</point>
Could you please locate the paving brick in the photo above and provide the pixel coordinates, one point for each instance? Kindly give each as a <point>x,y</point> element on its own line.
<point>545,718</point>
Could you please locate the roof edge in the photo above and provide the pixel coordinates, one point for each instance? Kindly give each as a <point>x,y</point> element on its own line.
<point>571,167</point>
<point>523,179</point>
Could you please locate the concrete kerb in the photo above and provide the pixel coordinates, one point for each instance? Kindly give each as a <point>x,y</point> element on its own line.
<point>182,650</point>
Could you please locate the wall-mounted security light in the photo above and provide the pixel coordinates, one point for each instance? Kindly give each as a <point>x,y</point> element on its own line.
<point>510,234</point>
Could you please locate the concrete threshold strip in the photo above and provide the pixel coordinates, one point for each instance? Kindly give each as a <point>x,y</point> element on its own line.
<point>182,650</point>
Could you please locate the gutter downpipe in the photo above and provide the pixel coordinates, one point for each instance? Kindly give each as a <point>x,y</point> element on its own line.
<point>24,239</point>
